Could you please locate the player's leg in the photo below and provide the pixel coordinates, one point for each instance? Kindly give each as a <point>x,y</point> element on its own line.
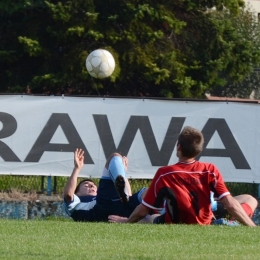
<point>248,202</point>
<point>158,219</point>
<point>107,196</point>
<point>127,208</point>
<point>117,166</point>
<point>220,211</point>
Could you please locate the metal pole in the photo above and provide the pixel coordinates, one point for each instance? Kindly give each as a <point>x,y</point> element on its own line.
<point>49,186</point>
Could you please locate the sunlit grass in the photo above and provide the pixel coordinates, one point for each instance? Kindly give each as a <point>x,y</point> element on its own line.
<point>55,239</point>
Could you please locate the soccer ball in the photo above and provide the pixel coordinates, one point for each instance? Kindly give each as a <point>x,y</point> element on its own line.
<point>100,64</point>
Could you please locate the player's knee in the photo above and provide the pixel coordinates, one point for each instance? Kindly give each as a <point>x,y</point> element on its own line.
<point>252,202</point>
<point>110,158</point>
<point>247,199</point>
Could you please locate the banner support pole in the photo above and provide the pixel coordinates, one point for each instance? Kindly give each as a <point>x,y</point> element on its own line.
<point>49,185</point>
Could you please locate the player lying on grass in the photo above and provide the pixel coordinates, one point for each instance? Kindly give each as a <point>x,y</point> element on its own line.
<point>87,202</point>
<point>186,187</point>
<point>220,213</point>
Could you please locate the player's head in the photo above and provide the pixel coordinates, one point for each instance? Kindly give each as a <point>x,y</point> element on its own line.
<point>86,187</point>
<point>190,142</point>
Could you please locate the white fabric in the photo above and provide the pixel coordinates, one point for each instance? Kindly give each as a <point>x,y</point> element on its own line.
<point>31,114</point>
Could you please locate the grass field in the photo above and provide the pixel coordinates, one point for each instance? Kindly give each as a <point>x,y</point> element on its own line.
<point>56,239</point>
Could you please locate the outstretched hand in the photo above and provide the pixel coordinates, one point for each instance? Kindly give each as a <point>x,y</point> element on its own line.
<point>79,158</point>
<point>117,219</point>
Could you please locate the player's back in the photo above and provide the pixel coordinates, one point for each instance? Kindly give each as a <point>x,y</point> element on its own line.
<point>190,184</point>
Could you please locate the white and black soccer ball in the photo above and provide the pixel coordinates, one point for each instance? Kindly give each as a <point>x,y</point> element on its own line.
<point>100,63</point>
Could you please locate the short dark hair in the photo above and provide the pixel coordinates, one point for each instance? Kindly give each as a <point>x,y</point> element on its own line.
<point>77,188</point>
<point>191,142</point>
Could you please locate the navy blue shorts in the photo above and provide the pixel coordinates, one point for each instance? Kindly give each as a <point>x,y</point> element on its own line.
<point>159,220</point>
<point>109,203</point>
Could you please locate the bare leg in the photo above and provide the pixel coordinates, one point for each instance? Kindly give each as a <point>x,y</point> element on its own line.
<point>248,199</point>
<point>127,184</point>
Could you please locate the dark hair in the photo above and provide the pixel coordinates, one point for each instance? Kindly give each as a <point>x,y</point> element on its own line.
<point>77,188</point>
<point>191,142</point>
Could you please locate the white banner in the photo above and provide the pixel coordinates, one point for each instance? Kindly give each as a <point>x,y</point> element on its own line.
<point>38,134</point>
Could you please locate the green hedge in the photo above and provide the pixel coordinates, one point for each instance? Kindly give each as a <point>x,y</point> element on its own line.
<point>39,184</point>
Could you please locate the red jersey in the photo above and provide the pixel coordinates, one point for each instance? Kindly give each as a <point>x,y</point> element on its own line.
<point>186,188</point>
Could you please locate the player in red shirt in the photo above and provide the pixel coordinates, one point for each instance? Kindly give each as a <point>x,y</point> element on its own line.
<point>186,186</point>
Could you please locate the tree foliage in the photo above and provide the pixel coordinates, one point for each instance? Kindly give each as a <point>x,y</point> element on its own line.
<point>162,48</point>
<point>246,76</point>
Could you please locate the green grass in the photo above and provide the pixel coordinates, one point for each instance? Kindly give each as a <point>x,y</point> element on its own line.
<point>55,239</point>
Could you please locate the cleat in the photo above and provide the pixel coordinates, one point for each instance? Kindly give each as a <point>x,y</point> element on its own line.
<point>120,187</point>
<point>226,222</point>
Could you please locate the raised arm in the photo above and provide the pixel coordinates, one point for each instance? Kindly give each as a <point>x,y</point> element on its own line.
<point>235,210</point>
<point>71,184</point>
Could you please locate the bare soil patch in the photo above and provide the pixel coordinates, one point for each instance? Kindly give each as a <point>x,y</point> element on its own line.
<point>16,195</point>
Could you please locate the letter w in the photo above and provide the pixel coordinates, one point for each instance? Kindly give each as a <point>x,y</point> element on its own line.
<point>142,123</point>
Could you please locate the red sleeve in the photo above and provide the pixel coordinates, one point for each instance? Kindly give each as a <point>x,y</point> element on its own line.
<point>220,188</point>
<point>151,194</point>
